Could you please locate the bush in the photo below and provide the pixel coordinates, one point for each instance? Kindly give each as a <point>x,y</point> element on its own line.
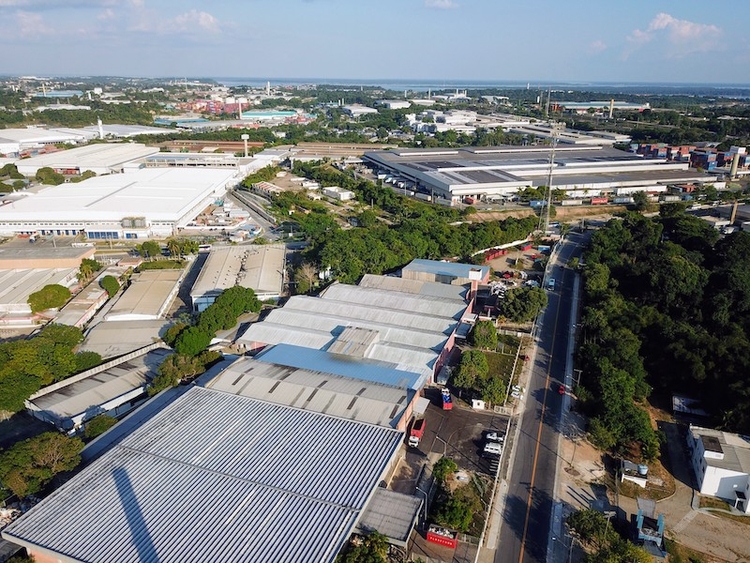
<point>51,296</point>
<point>444,467</point>
<point>484,335</point>
<point>98,426</point>
<point>110,284</point>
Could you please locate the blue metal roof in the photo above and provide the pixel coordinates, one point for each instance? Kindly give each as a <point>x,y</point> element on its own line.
<point>454,269</point>
<point>372,371</point>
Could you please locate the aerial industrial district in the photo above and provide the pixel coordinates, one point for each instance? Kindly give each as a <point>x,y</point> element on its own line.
<point>222,342</point>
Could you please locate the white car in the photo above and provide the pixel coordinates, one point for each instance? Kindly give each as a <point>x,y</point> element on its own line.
<point>494,436</point>
<point>551,284</point>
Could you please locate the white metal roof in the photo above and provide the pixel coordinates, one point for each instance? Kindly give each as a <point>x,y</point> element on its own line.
<point>155,193</point>
<point>107,155</point>
<point>110,339</point>
<point>217,477</point>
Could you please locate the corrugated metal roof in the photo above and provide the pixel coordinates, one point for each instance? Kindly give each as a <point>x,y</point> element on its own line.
<point>259,267</point>
<point>390,513</point>
<point>385,299</point>
<point>454,269</point>
<point>419,287</point>
<point>88,393</point>
<point>17,285</point>
<point>147,294</point>
<point>317,391</point>
<point>373,371</point>
<point>217,477</point>
<point>115,338</point>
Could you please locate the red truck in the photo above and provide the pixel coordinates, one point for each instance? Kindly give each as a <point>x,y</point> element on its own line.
<point>447,400</point>
<point>417,431</point>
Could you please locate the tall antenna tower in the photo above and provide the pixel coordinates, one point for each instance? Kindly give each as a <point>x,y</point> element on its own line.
<point>555,128</point>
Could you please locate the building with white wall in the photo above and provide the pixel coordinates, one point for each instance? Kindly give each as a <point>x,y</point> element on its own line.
<point>721,462</point>
<point>356,110</point>
<point>335,192</point>
<point>149,203</point>
<point>394,104</point>
<point>478,172</point>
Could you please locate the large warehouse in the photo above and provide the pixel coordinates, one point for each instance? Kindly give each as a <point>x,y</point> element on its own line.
<point>408,323</point>
<point>478,172</point>
<point>258,267</point>
<point>216,476</point>
<point>100,158</point>
<point>146,203</point>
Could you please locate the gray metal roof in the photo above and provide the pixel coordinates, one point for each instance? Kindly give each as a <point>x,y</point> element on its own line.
<point>77,395</point>
<point>734,447</point>
<point>147,294</point>
<point>317,391</point>
<point>217,477</point>
<point>115,338</point>
<point>259,267</point>
<point>392,514</point>
<point>419,287</point>
<point>454,269</point>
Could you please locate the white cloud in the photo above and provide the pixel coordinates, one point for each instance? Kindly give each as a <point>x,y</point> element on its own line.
<point>192,19</point>
<point>29,24</point>
<point>682,37</point>
<point>440,4</point>
<point>597,46</point>
<point>107,14</point>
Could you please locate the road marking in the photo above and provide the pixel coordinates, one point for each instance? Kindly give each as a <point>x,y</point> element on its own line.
<point>539,433</point>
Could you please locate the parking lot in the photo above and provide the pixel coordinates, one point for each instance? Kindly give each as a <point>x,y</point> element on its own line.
<point>458,433</point>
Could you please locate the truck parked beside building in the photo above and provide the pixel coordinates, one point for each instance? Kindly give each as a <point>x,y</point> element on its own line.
<point>447,400</point>
<point>417,429</point>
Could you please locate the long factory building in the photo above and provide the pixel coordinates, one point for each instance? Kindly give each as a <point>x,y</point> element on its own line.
<point>481,172</point>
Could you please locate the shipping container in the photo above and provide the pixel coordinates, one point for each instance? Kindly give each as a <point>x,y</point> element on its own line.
<point>567,202</point>
<point>536,203</point>
<point>599,200</point>
<point>623,200</point>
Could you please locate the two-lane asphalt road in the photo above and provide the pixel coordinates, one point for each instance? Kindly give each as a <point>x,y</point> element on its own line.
<point>528,506</point>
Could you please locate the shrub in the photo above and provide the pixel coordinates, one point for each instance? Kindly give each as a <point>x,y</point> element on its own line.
<point>110,284</point>
<point>51,296</point>
<point>99,425</point>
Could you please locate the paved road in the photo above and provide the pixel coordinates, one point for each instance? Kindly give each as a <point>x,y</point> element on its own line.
<point>528,507</point>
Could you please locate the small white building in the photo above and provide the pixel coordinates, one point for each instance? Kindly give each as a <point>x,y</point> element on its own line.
<point>721,462</point>
<point>335,192</point>
<point>356,110</point>
<point>394,104</point>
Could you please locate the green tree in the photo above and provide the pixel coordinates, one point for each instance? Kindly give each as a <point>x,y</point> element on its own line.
<point>372,548</point>
<point>110,284</point>
<point>149,249</point>
<point>87,360</point>
<point>28,466</point>
<point>87,269</point>
<point>98,426</point>
<point>522,304</point>
<point>192,341</point>
<point>640,201</point>
<point>51,296</point>
<point>473,368</point>
<point>443,468</point>
<point>47,175</point>
<point>484,335</point>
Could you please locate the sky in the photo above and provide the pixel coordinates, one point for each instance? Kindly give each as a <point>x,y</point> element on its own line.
<point>577,41</point>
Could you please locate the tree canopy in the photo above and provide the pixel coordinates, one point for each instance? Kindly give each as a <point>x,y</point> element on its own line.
<point>667,306</point>
<point>51,296</point>
<point>28,466</point>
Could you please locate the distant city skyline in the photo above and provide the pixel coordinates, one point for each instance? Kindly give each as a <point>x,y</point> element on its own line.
<point>533,41</point>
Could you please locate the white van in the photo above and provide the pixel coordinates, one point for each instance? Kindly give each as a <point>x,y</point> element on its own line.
<point>493,449</point>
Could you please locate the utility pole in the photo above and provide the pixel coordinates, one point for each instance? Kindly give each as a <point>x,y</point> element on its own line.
<point>555,132</point>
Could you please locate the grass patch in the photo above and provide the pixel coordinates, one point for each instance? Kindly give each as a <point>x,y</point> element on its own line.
<point>678,553</point>
<point>712,502</point>
<point>162,265</point>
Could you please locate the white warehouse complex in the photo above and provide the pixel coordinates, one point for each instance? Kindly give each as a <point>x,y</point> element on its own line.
<point>479,172</point>
<point>146,203</point>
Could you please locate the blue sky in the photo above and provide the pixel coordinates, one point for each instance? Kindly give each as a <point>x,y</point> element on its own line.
<point>519,40</point>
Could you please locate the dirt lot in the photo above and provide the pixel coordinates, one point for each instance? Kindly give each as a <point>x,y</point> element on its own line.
<point>718,539</point>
